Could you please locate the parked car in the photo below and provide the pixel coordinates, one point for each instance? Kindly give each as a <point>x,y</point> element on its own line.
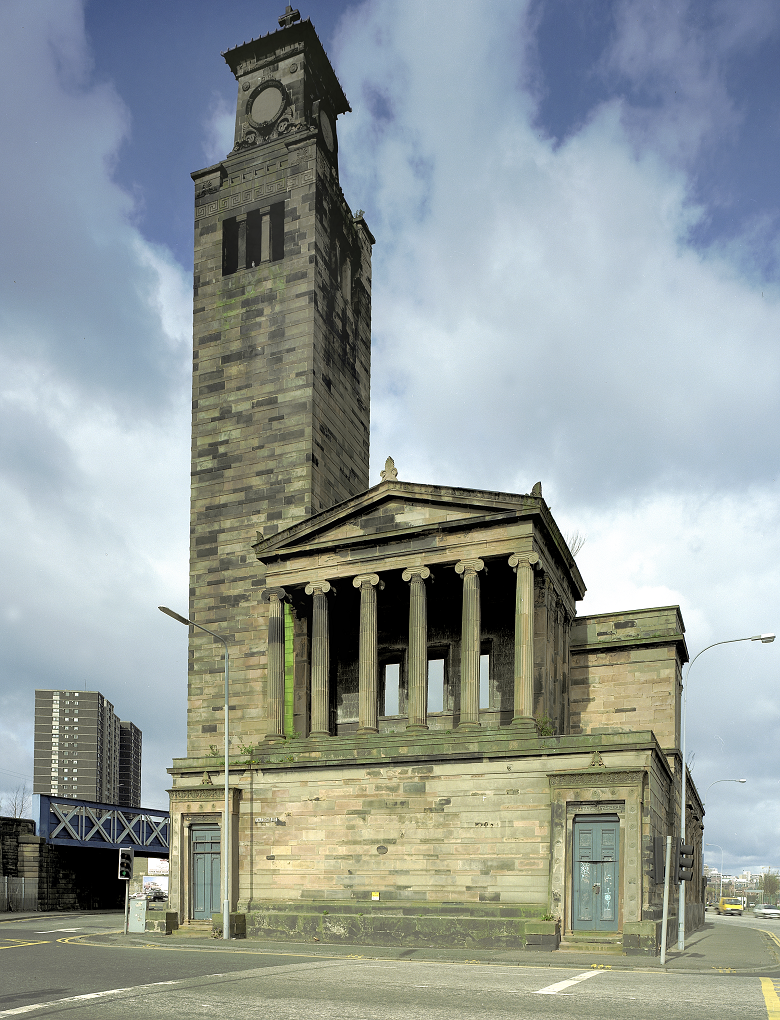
<point>766,910</point>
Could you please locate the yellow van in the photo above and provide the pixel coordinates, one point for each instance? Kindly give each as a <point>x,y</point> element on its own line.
<point>729,905</point>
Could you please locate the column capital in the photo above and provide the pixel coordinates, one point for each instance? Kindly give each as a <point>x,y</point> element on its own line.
<point>268,594</point>
<point>369,579</point>
<point>318,587</point>
<point>422,572</point>
<point>517,558</point>
<point>471,566</point>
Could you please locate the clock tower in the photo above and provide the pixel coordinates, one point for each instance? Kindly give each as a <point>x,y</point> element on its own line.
<point>281,356</point>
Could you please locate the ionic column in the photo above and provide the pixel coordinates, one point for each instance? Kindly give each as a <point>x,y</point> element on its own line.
<point>320,659</point>
<point>470,643</point>
<point>523,565</point>
<point>275,598</point>
<point>418,648</point>
<point>368,656</point>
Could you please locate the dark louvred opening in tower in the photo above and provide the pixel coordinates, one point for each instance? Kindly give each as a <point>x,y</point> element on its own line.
<point>249,241</point>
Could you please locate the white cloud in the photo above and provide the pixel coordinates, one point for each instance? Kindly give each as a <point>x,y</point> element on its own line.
<point>219,129</point>
<point>539,312</point>
<point>94,380</point>
<point>543,297</point>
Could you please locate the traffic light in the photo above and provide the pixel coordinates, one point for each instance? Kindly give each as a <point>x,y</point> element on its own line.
<point>125,863</point>
<point>685,862</point>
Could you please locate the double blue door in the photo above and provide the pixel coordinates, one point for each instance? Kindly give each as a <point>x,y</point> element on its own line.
<point>596,863</point>
<point>205,841</point>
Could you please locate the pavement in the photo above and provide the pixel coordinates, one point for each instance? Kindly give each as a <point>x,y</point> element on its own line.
<point>715,948</point>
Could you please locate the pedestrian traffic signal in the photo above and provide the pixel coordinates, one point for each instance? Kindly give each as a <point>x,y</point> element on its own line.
<point>125,863</point>
<point>685,863</point>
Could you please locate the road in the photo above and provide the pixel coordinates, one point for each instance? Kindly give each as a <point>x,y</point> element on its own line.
<point>48,969</point>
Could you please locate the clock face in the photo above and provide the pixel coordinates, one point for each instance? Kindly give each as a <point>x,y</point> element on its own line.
<point>267,105</point>
<point>327,130</point>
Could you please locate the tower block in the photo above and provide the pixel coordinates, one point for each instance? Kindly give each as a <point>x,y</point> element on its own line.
<point>281,356</point>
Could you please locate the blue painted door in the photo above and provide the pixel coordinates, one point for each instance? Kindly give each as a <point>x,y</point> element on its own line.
<point>594,902</point>
<point>205,870</point>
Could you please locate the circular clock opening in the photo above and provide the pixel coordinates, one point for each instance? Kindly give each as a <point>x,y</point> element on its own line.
<point>267,105</point>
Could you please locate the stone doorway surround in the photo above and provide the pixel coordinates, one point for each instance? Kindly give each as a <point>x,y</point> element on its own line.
<point>597,790</point>
<point>197,806</point>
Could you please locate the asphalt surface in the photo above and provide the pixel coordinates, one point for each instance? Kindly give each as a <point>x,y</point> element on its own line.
<point>730,968</point>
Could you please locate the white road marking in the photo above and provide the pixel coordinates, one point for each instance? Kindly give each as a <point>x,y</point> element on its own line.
<point>96,995</point>
<point>560,985</point>
<point>51,931</point>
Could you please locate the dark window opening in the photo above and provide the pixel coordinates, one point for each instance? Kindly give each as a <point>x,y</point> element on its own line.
<point>249,241</point>
<point>229,246</point>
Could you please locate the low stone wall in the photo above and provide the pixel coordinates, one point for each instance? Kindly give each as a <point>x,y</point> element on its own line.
<point>416,925</point>
<point>164,922</point>
<point>642,938</point>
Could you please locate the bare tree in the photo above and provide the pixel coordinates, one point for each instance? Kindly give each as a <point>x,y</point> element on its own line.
<point>770,882</point>
<point>575,541</point>
<point>17,804</point>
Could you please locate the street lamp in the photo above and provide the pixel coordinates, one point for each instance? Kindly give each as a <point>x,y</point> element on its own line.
<point>720,894</point>
<point>226,825</point>
<point>764,639</point>
<point>715,784</point>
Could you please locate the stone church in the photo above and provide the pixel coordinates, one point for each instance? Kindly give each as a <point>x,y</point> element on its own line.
<point>428,744</point>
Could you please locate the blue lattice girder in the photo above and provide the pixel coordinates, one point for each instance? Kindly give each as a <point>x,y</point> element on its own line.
<point>67,822</point>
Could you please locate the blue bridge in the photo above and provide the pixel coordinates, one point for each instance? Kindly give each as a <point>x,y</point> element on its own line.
<point>67,822</point>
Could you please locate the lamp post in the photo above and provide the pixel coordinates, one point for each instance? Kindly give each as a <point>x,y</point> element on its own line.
<point>715,784</point>
<point>226,826</point>
<point>764,639</point>
<point>720,894</point>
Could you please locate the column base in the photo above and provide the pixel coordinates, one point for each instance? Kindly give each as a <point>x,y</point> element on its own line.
<point>524,724</point>
<point>417,727</point>
<point>369,731</point>
<point>274,738</point>
<point>466,726</point>
<point>320,733</point>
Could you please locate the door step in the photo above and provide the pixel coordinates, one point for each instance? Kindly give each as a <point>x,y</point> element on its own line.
<point>597,942</point>
<point>193,929</point>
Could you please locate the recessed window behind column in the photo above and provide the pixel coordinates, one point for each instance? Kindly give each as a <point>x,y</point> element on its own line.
<point>392,682</point>
<point>435,685</point>
<point>484,681</point>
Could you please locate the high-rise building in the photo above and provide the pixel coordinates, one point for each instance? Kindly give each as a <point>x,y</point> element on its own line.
<point>129,765</point>
<point>78,748</point>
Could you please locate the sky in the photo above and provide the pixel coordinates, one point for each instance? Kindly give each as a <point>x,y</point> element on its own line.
<point>575,281</point>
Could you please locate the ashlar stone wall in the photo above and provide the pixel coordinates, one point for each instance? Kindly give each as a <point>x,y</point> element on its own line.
<point>626,673</point>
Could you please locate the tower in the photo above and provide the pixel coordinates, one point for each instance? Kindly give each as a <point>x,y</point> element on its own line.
<point>281,354</point>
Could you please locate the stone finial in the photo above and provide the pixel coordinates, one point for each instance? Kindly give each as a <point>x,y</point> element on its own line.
<point>289,17</point>
<point>596,761</point>
<point>206,780</point>
<point>390,473</point>
<point>537,489</point>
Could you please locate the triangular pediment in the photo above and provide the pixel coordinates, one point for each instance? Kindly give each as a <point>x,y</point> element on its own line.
<point>394,508</point>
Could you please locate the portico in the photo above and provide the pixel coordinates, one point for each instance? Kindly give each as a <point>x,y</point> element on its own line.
<point>399,576</point>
